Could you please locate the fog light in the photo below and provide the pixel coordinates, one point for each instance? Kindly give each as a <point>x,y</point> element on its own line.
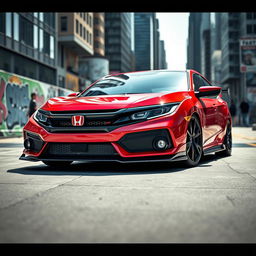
<point>27,143</point>
<point>160,143</point>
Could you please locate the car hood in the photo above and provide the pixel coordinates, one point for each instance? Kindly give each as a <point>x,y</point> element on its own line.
<point>111,101</point>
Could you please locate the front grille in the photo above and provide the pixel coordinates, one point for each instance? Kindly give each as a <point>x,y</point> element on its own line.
<point>79,149</point>
<point>66,122</point>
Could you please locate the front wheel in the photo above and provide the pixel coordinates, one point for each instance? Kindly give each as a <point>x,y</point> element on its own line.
<point>194,148</point>
<point>57,163</point>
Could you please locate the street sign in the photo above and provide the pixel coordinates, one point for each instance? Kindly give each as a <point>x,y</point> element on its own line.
<point>248,54</point>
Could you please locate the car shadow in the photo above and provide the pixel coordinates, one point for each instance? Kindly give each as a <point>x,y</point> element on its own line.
<point>107,168</point>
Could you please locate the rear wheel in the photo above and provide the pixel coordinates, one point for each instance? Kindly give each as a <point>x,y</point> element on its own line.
<point>227,143</point>
<point>194,148</point>
<point>57,163</point>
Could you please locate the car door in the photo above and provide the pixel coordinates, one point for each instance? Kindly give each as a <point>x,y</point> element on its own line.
<point>208,104</point>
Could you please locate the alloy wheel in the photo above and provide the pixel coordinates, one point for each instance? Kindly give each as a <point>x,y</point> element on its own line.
<point>194,141</point>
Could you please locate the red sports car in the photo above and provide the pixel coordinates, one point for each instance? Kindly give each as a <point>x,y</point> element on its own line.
<point>146,116</point>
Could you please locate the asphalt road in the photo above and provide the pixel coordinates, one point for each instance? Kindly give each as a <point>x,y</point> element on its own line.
<point>212,203</point>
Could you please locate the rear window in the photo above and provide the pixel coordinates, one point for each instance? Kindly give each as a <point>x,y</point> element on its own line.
<point>140,82</point>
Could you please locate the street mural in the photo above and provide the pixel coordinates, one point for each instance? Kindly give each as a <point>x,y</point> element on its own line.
<point>15,94</point>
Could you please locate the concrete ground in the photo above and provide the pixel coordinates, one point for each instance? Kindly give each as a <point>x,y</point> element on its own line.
<point>212,203</point>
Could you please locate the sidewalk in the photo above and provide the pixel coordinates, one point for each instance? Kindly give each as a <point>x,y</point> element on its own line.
<point>244,133</point>
<point>11,140</point>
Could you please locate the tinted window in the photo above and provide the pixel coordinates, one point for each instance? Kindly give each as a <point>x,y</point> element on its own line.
<point>199,81</point>
<point>140,82</point>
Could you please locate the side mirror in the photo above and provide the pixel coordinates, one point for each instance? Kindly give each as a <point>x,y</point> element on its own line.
<point>208,91</point>
<point>73,94</point>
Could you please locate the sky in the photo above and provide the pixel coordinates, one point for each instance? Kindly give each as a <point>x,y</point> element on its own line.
<point>173,28</point>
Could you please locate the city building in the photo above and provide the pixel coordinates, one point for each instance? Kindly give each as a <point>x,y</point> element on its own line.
<point>28,43</point>
<point>92,67</point>
<point>230,73</point>
<point>218,46</point>
<point>156,38</point>
<point>215,34</point>
<point>144,41</point>
<point>75,40</point>
<point>118,41</point>
<point>205,35</point>
<point>194,42</point>
<point>162,56</point>
<point>99,33</point>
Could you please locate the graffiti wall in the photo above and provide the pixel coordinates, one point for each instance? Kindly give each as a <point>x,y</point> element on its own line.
<point>15,94</point>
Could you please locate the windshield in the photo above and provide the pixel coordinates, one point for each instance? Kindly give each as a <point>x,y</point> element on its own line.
<point>139,82</point>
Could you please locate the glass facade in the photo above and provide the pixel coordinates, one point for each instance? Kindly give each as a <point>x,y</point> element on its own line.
<point>16,26</point>
<point>118,41</point>
<point>8,24</point>
<point>29,38</point>
<point>143,41</point>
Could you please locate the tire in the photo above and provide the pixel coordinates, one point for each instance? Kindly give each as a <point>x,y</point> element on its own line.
<point>57,163</point>
<point>194,145</point>
<point>227,143</point>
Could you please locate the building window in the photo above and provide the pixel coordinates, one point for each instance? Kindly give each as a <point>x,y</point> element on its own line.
<point>16,27</point>
<point>52,47</point>
<point>81,30</point>
<point>2,22</point>
<point>26,32</point>
<point>41,16</point>
<point>41,40</point>
<point>249,29</point>
<point>90,38</point>
<point>63,23</point>
<point>77,27</point>
<point>46,43</point>
<point>90,20</point>
<point>84,34</point>
<point>8,24</point>
<point>35,34</point>
<point>86,17</point>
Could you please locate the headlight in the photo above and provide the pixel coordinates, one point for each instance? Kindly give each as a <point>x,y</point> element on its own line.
<point>153,113</point>
<point>40,117</point>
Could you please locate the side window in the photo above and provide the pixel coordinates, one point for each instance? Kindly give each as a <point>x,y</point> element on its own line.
<point>198,82</point>
<point>205,82</point>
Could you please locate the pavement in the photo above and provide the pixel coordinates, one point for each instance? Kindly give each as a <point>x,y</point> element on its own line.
<point>214,202</point>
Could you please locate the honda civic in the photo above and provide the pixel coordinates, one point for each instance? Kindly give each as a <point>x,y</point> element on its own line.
<point>145,116</point>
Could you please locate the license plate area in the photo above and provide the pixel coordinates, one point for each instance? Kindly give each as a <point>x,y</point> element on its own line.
<point>79,148</point>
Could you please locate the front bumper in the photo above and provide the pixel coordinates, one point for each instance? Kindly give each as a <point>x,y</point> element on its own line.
<point>130,143</point>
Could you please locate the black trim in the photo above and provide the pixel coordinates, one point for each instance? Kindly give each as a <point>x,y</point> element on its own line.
<point>181,156</point>
<point>214,149</point>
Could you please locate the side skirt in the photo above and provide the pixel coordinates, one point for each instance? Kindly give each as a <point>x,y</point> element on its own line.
<point>214,149</point>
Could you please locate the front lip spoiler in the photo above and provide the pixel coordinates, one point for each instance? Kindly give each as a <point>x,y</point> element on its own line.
<point>181,156</point>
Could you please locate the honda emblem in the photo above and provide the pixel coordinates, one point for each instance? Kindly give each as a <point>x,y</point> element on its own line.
<point>77,120</point>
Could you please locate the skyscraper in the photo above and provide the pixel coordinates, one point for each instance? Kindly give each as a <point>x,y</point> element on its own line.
<point>205,37</point>
<point>118,41</point>
<point>144,41</point>
<point>194,42</point>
